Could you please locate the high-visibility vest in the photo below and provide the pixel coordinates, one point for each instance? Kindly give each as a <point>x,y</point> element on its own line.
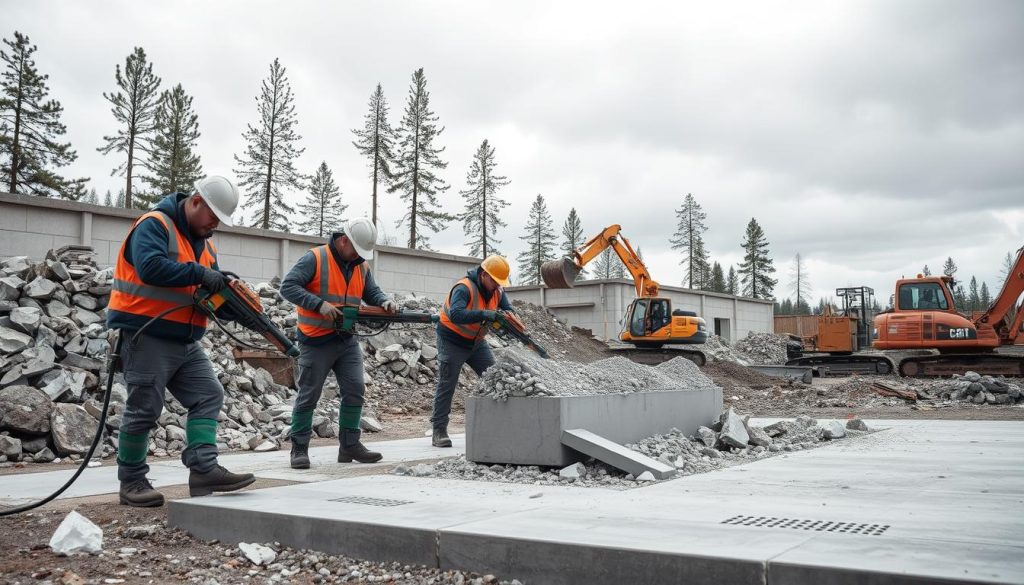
<point>472,331</point>
<point>130,295</point>
<point>330,285</point>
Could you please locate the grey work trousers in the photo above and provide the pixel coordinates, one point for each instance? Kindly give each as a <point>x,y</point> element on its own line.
<point>343,356</point>
<point>153,364</point>
<point>450,359</point>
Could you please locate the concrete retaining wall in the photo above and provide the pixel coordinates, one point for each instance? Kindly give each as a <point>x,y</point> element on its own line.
<point>30,226</point>
<point>599,305</point>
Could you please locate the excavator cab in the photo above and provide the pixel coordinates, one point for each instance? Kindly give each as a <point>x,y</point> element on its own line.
<point>651,322</point>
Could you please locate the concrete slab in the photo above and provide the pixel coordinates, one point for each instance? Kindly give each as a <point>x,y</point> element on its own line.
<point>536,436</point>
<point>920,502</point>
<point>615,454</point>
<point>27,487</point>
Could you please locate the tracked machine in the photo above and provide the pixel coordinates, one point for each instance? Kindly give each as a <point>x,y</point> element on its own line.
<point>652,330</point>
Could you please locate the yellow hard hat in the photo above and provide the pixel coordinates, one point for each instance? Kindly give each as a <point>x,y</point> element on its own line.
<point>498,268</point>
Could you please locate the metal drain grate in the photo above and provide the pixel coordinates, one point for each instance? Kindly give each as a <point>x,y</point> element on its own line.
<point>814,525</point>
<point>366,501</point>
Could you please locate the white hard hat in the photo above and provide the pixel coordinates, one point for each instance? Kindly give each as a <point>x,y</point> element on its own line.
<point>220,195</point>
<point>363,235</point>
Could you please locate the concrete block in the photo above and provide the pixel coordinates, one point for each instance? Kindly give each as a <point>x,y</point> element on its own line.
<point>529,430</point>
<point>615,454</point>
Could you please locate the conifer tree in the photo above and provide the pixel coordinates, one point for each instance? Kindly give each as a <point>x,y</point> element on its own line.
<point>689,240</point>
<point>415,167</point>
<point>1004,271</point>
<point>605,263</point>
<point>91,197</point>
<point>30,127</point>
<point>718,283</point>
<point>108,199</point>
<point>949,268</point>
<point>572,232</point>
<point>732,283</point>
<point>757,266</point>
<point>926,271</point>
<point>320,214</point>
<point>119,201</point>
<point>376,141</point>
<point>134,106</point>
<point>800,283</point>
<point>540,243</point>
<point>267,168</point>
<point>985,297</point>
<point>974,297</point>
<point>173,163</point>
<point>482,216</point>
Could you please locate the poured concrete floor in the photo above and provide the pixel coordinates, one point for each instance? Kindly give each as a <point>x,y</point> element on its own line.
<point>920,502</point>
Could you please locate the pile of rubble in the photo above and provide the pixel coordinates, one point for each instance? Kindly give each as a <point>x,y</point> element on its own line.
<point>977,389</point>
<point>731,441</point>
<point>518,372</point>
<point>763,348</point>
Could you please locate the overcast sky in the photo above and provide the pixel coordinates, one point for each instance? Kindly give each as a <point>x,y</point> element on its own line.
<point>870,137</point>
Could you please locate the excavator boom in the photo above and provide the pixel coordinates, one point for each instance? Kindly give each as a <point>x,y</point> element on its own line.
<point>998,313</point>
<point>562,273</point>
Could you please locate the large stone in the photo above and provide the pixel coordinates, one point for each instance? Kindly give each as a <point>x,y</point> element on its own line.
<point>10,447</point>
<point>26,319</point>
<point>87,302</point>
<point>40,289</point>
<point>56,271</point>
<point>25,409</point>
<point>12,341</point>
<point>390,353</point>
<point>428,352</point>
<point>759,437</point>
<point>833,429</point>
<point>86,318</point>
<point>370,424</point>
<point>7,306</point>
<point>46,337</point>
<point>707,436</point>
<point>857,424</point>
<point>58,309</point>
<point>63,384</point>
<point>34,445</point>
<point>734,433</point>
<point>574,471</point>
<point>10,288</point>
<point>26,370</point>
<point>72,428</point>
<point>80,361</point>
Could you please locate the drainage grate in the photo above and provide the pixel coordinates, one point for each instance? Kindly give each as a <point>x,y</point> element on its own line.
<point>814,525</point>
<point>383,502</point>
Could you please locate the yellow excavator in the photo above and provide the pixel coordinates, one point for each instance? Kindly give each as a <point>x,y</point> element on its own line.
<point>650,321</point>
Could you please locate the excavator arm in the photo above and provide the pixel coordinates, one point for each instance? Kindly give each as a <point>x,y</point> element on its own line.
<point>562,273</point>
<point>998,313</point>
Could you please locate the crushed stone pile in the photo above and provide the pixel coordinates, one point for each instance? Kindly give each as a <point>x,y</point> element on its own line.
<point>977,389</point>
<point>731,441</point>
<point>519,372</point>
<point>763,348</point>
<point>717,349</point>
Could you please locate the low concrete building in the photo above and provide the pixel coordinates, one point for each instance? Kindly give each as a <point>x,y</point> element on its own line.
<point>600,305</point>
<point>30,226</point>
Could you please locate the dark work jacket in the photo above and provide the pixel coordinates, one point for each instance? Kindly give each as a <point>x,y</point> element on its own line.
<point>458,312</point>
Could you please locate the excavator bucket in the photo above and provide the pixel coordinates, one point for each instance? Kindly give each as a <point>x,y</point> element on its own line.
<point>560,273</point>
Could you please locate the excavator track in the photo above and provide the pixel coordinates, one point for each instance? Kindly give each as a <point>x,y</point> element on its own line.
<point>992,364</point>
<point>653,356</point>
<point>845,365</point>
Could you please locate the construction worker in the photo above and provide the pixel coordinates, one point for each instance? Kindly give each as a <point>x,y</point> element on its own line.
<point>324,279</point>
<point>165,257</point>
<point>472,303</point>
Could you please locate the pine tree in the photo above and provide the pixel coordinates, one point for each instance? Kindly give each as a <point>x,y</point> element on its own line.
<point>173,161</point>
<point>604,266</point>
<point>134,107</point>
<point>949,268</point>
<point>1004,272</point>
<point>732,285</point>
<point>688,239</point>
<point>376,142</point>
<point>800,282</point>
<point>482,216</point>
<point>700,275</point>
<point>540,243</point>
<point>985,297</point>
<point>119,201</point>
<point>925,271</point>
<point>108,199</point>
<point>268,166</point>
<point>322,210</point>
<point>974,298</point>
<point>91,197</point>
<point>757,267</point>
<point>572,231</point>
<point>29,128</point>
<point>717,278</point>
<point>414,171</point>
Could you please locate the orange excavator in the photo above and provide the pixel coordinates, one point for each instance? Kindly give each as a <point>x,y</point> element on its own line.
<point>650,321</point>
<point>923,316</point>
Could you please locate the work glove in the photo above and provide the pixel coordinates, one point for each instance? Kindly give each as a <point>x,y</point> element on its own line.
<point>390,306</point>
<point>212,280</point>
<point>330,311</point>
<point>488,316</point>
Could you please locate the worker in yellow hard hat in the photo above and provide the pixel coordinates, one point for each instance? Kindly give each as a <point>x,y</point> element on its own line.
<point>472,304</point>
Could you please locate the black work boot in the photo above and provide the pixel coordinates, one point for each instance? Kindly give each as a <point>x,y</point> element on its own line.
<point>300,456</point>
<point>351,449</point>
<point>217,479</point>
<point>140,493</point>
<point>441,438</point>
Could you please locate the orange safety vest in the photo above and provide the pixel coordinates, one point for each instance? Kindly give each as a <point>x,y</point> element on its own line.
<point>472,331</point>
<point>130,295</point>
<point>330,285</point>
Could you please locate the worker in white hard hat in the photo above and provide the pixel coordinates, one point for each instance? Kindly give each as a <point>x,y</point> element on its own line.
<point>326,278</point>
<point>166,256</point>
